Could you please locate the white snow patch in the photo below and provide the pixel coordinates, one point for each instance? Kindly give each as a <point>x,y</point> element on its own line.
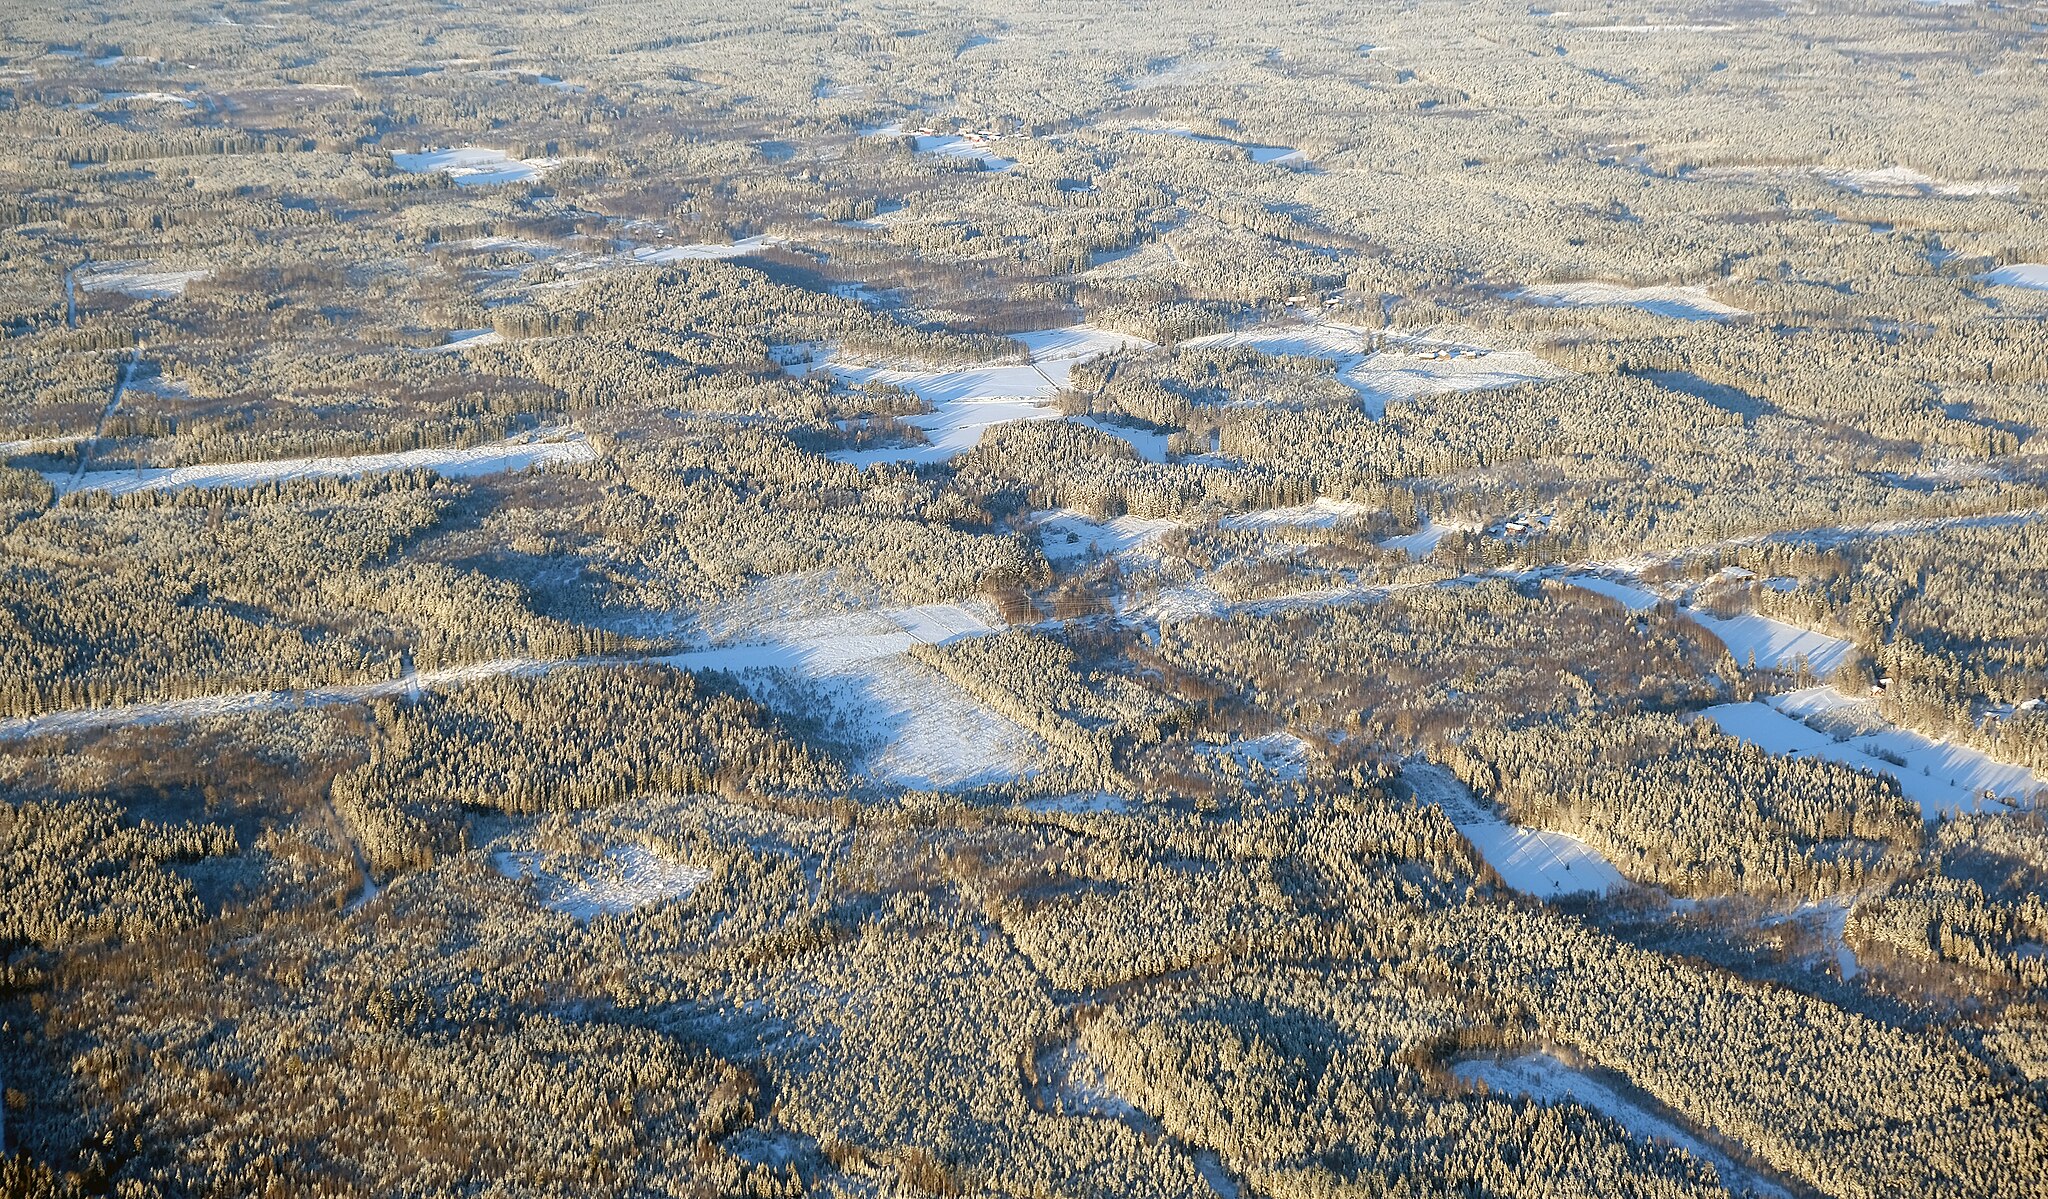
<point>1775,644</point>
<point>135,98</point>
<point>1321,513</point>
<point>1635,599</point>
<point>1411,368</point>
<point>968,401</point>
<point>468,339</point>
<point>1275,155</point>
<point>1896,179</point>
<point>143,280</point>
<point>1095,803</point>
<point>1282,755</point>
<point>38,445</point>
<point>949,145</point>
<point>2032,275</point>
<point>1548,1081</point>
<point>702,251</point>
<point>625,879</point>
<point>1068,534</point>
<point>1532,861</point>
<point>1423,541</point>
<point>542,447</point>
<point>1685,303</point>
<point>1938,775</point>
<point>1149,445</point>
<point>473,166</point>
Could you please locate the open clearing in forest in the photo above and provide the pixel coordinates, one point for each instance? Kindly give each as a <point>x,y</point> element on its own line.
<point>1543,864</point>
<point>542,447</point>
<point>1549,1081</point>
<point>1822,722</point>
<point>143,280</point>
<point>1685,303</point>
<point>473,166</point>
<point>1407,367</point>
<point>623,879</point>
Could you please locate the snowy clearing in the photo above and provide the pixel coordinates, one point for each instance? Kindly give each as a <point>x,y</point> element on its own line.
<point>473,166</point>
<point>624,879</point>
<point>1773,644</point>
<point>1280,755</point>
<point>912,726</point>
<point>1321,513</point>
<point>1685,303</point>
<point>1068,534</point>
<point>949,145</point>
<point>968,401</point>
<point>1548,1081</point>
<point>542,447</point>
<point>1543,864</point>
<point>1937,775</point>
<point>2033,275</point>
<point>1635,599</point>
<point>143,280</point>
<point>172,711</point>
<point>467,339</point>
<point>1413,368</point>
<point>1422,542</point>
<point>1094,803</point>
<point>1273,155</point>
<point>1896,180</point>
<point>702,251</point>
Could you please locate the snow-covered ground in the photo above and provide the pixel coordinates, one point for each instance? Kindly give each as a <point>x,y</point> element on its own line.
<point>38,445</point>
<point>913,726</point>
<point>1406,369</point>
<point>1534,862</point>
<point>947,144</point>
<point>134,98</point>
<point>467,339</point>
<point>968,401</point>
<point>1276,155</point>
<point>624,879</point>
<point>1092,803</point>
<point>1937,775</point>
<point>1419,544</point>
<point>1322,513</point>
<point>1894,180</point>
<point>541,447</point>
<point>143,280</point>
<point>1281,755</point>
<point>1635,599</point>
<point>172,711</point>
<point>1685,303</point>
<point>1067,534</point>
<point>701,251</point>
<point>473,166</point>
<point>2021,274</point>
<point>1775,644</point>
<point>1545,1079</point>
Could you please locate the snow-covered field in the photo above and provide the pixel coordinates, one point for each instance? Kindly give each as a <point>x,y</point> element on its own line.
<point>1409,368</point>
<point>1543,864</point>
<point>1685,303</point>
<point>1419,544</point>
<point>1545,1079</point>
<point>1939,776</point>
<point>1067,534</point>
<point>912,726</point>
<point>700,251</point>
<point>473,166</point>
<point>1635,599</point>
<point>2021,274</point>
<point>624,879</point>
<point>1895,180</point>
<point>947,144</point>
<point>143,280</point>
<point>1775,644</point>
<point>1323,513</point>
<point>542,447</point>
<point>968,401</point>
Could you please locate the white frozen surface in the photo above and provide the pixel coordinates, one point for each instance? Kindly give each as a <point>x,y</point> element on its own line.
<point>144,280</point>
<point>1276,155</point>
<point>543,447</point>
<point>1937,775</point>
<point>1149,445</point>
<point>1686,303</point>
<point>1897,179</point>
<point>1321,513</point>
<point>473,166</point>
<point>1107,537</point>
<point>1406,369</point>
<point>1532,861</point>
<point>1777,645</point>
<point>702,251</point>
<point>468,339</point>
<point>1635,599</point>
<point>1548,1081</point>
<point>1419,544</point>
<point>948,145</point>
<point>968,401</point>
<point>625,879</point>
<point>2022,274</point>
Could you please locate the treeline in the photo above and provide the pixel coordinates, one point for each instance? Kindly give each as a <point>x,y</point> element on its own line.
<point>1680,805</point>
